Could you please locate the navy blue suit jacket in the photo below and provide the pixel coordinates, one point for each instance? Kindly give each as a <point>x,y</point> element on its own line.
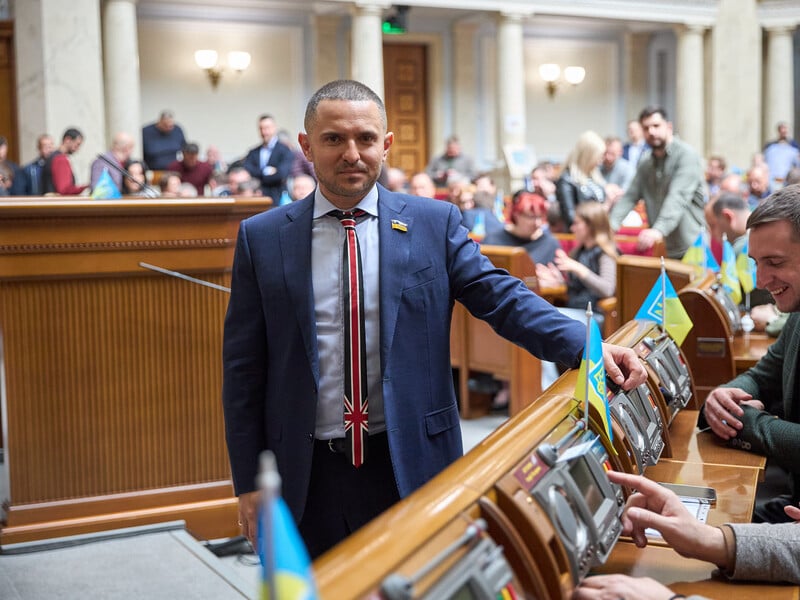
<point>282,159</point>
<point>271,363</point>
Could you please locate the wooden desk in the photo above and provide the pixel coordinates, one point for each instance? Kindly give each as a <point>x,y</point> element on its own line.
<point>746,355</point>
<point>688,445</point>
<point>688,576</point>
<point>736,486</point>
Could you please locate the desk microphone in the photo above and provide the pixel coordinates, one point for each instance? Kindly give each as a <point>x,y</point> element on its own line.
<point>149,190</point>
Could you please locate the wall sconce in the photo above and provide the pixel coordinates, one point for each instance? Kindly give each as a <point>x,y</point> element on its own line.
<point>551,74</point>
<point>208,60</point>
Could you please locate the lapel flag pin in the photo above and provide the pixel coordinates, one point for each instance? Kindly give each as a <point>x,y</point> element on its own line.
<point>399,225</point>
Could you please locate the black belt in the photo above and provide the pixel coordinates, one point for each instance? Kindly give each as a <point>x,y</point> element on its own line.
<point>339,445</point>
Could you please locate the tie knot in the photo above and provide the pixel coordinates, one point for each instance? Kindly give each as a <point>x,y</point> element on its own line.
<point>348,218</point>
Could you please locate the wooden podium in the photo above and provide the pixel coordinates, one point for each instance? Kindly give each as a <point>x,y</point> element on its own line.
<point>111,406</point>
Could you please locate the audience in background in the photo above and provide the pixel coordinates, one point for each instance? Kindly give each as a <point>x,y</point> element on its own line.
<point>32,172</point>
<point>6,179</point>
<point>590,269</point>
<point>302,186</point>
<point>526,229</point>
<point>118,155</point>
<point>136,184</point>
<point>214,158</point>
<point>396,180</point>
<point>453,163</point>
<point>542,182</point>
<point>715,171</point>
<point>422,185</point>
<point>781,154</point>
<point>758,186</point>
<point>161,141</point>
<point>636,145</point>
<point>57,175</point>
<point>580,179</point>
<point>170,185</point>
<point>300,164</point>
<point>191,169</point>
<point>271,161</point>
<point>617,172</point>
<point>14,184</point>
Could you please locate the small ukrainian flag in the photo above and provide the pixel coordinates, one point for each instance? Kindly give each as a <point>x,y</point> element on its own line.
<point>399,225</point>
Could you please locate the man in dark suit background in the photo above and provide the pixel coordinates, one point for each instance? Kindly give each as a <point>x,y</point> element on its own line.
<point>271,162</point>
<point>283,347</point>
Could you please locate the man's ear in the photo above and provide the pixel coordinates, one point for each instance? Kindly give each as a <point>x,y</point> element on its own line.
<point>302,139</point>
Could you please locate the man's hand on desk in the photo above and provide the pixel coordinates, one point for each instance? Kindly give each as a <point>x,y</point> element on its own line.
<point>722,410</point>
<point>656,507</point>
<point>624,587</point>
<point>623,366</point>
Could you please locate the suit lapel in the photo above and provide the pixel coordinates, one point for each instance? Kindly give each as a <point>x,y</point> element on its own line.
<point>395,246</point>
<point>295,244</point>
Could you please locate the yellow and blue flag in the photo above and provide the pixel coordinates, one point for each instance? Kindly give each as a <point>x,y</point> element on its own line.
<point>699,254</point>
<point>478,231</point>
<point>674,319</point>
<point>730,280</point>
<point>593,372</point>
<point>285,564</point>
<point>746,269</point>
<point>695,254</point>
<point>105,189</point>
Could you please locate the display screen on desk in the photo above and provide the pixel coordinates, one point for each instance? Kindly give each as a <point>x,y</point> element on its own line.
<point>642,401</point>
<point>672,372</point>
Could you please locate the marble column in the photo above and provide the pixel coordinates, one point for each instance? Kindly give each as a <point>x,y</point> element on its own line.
<point>366,54</point>
<point>60,76</point>
<point>779,81</point>
<point>466,101</point>
<point>121,67</point>
<point>328,64</point>
<point>511,128</point>
<point>689,119</point>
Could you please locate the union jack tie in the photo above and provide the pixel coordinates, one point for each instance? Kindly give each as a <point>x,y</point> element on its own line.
<point>356,425</point>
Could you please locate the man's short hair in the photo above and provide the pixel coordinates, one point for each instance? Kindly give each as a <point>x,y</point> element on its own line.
<point>342,89</point>
<point>264,117</point>
<point>649,111</point>
<point>782,205</point>
<point>71,133</point>
<point>191,148</point>
<point>730,201</point>
<point>166,114</point>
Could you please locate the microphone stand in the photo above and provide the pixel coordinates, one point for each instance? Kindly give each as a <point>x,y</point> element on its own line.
<point>149,190</point>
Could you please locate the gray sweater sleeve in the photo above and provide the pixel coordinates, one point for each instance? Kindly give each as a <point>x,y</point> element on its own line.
<point>767,552</point>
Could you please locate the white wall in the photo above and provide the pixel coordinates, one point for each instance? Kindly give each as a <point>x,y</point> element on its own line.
<point>226,116</point>
<point>555,124</point>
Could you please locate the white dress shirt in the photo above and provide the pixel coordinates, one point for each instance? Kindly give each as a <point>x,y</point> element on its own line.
<point>327,241</point>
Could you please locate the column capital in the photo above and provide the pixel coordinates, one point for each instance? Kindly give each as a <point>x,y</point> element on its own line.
<point>690,28</point>
<point>515,16</point>
<point>369,8</point>
<point>780,28</point>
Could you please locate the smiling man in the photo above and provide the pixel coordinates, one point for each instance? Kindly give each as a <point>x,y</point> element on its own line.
<point>336,353</point>
<point>760,409</point>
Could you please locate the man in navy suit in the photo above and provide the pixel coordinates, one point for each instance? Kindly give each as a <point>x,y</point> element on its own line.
<point>283,354</point>
<point>271,161</point>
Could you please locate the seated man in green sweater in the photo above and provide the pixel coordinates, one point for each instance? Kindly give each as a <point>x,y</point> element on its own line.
<point>759,410</point>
